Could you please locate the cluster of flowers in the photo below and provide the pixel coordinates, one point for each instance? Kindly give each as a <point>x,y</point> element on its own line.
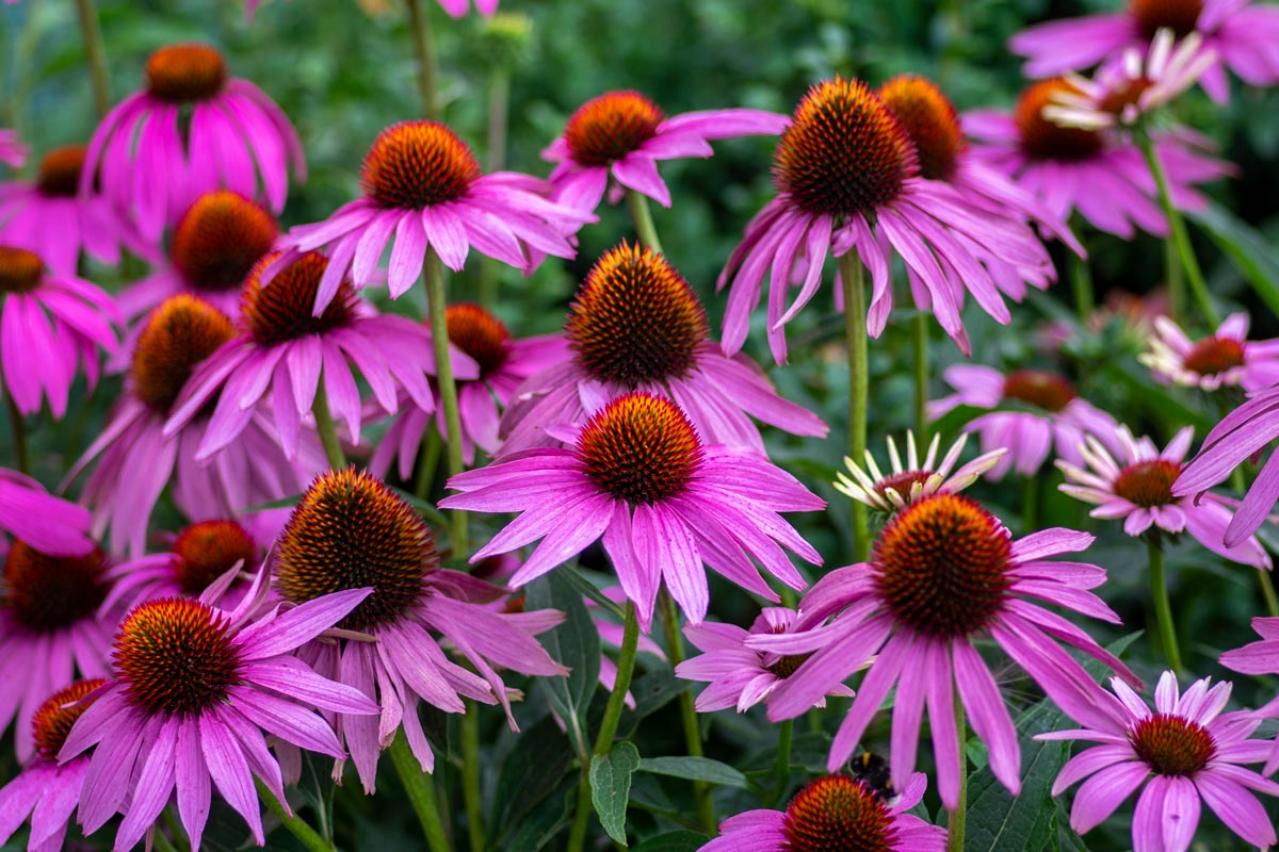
<point>135,679</point>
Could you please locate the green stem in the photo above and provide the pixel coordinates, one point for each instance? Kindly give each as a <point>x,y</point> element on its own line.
<point>298,827</point>
<point>1163,610</point>
<point>638,205</point>
<point>959,816</point>
<point>1081,283</point>
<point>161,842</point>
<point>850,273</point>
<point>95,55</point>
<point>1268,592</point>
<point>920,344</point>
<point>324,426</point>
<point>175,828</point>
<point>1178,234</point>
<point>420,788</point>
<point>1176,283</point>
<point>688,712</point>
<point>423,46</point>
<point>499,110</point>
<point>781,768</point>
<point>19,428</point>
<point>1030,505</point>
<point>471,776</point>
<point>435,295</point>
<point>429,462</point>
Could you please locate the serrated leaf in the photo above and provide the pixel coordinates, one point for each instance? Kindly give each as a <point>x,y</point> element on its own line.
<point>673,841</point>
<point>1250,252</point>
<point>576,644</point>
<point>695,769</point>
<point>611,787</point>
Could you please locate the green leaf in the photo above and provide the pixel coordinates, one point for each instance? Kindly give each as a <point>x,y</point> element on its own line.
<point>1155,396</point>
<point>539,826</point>
<point>425,509</point>
<point>695,769</point>
<point>1250,252</point>
<point>541,757</point>
<point>611,787</point>
<point>588,589</point>
<point>576,644</point>
<point>674,841</point>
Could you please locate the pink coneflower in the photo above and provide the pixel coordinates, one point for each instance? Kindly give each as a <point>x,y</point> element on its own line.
<point>1259,659</point>
<point>1241,434</point>
<point>1186,751</point>
<point>739,676</point>
<point>943,573</point>
<point>1057,419</point>
<point>196,690</point>
<point>835,812</point>
<point>504,363</point>
<point>51,325</point>
<point>44,790</point>
<point>1135,484</point>
<point>1226,358</point>
<point>285,350</point>
<point>214,246</point>
<point>152,162</point>
<point>49,631</point>
<point>916,479</point>
<point>1096,174</point>
<point>50,217</point>
<point>1240,34</point>
<point>12,152</point>
<point>664,501</point>
<point>454,8</point>
<point>423,189</point>
<point>136,459</point>
<point>350,530</point>
<point>847,178</point>
<point>49,524</point>
<point>623,134</point>
<point>636,324</point>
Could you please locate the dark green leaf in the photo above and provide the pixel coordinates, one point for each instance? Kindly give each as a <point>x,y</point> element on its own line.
<point>611,787</point>
<point>673,841</point>
<point>1252,254</point>
<point>539,826</point>
<point>576,644</point>
<point>541,757</point>
<point>695,769</point>
<point>585,587</point>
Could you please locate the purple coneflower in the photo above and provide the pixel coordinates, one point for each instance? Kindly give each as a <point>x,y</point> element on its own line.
<point>1226,358</point>
<point>916,479</point>
<point>943,573</point>
<point>12,152</point>
<point>835,812</point>
<point>350,530</point>
<point>636,324</point>
<point>1186,751</point>
<point>1260,659</point>
<point>454,8</point>
<point>49,524</point>
<point>623,134</point>
<point>664,501</point>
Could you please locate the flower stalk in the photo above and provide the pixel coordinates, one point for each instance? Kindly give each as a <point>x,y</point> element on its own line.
<point>327,430</point>
<point>437,304</point>
<point>95,56</point>
<point>852,279</point>
<point>421,792</point>
<point>688,712</point>
<point>919,342</point>
<point>958,818</point>
<point>424,47</point>
<point>643,219</point>
<point>1163,609</point>
<point>294,824</point>
<point>471,797</point>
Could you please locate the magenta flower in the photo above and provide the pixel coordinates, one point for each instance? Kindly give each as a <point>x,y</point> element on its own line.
<point>943,573</point>
<point>835,812</point>
<point>12,152</point>
<point>636,324</point>
<point>454,8</point>
<point>196,690</point>
<point>423,189</point>
<point>44,790</point>
<point>50,217</point>
<point>1225,358</point>
<point>152,163</point>
<point>51,325</point>
<point>624,134</point>
<point>916,479</point>
<point>847,178</point>
<point>1259,659</point>
<point>1241,35</point>
<point>50,631</point>
<point>740,676</point>
<point>504,364</point>
<point>1047,414</point>
<point>1097,174</point>
<point>350,529</point>
<point>1135,483</point>
<point>1240,435</point>
<point>1184,752</point>
<point>134,459</point>
<point>49,524</point>
<point>665,502</point>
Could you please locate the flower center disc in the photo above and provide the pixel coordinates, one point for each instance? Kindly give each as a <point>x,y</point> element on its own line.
<point>479,334</point>
<point>941,566</point>
<point>1148,483</point>
<point>930,119</point>
<point>175,657</point>
<point>47,593</point>
<point>1119,99</point>
<point>608,127</point>
<point>59,174</point>
<point>182,73</point>
<point>1172,745</point>
<point>844,151</point>
<point>640,448</point>
<point>282,310</point>
<point>635,320</point>
<point>351,531</point>
<point>786,666</point>
<point>1180,16</point>
<point>178,335</point>
<point>416,164</point>
<point>1043,139</point>
<point>20,270</point>
<point>1039,388</point>
<point>219,239</point>
<point>837,813</point>
<point>53,721</point>
<point>901,483</point>
<point>1214,355</point>
<point>205,551</point>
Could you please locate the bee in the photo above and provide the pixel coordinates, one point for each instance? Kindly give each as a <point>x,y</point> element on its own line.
<point>872,771</point>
